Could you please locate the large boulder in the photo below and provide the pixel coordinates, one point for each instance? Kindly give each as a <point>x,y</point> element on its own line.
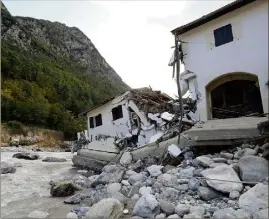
<point>54,159</point>
<point>167,207</point>
<point>106,208</point>
<point>253,168</point>
<point>224,176</point>
<point>26,156</point>
<point>110,174</point>
<point>254,199</point>
<point>167,180</point>
<point>204,161</point>
<point>147,206</point>
<point>262,214</point>
<point>126,158</point>
<point>207,193</point>
<point>182,209</point>
<point>155,170</point>
<point>7,168</point>
<point>63,188</point>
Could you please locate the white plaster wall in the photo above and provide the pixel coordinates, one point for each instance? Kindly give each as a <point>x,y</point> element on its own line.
<point>247,53</point>
<point>119,127</point>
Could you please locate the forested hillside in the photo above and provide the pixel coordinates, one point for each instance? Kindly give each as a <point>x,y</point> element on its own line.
<point>51,73</point>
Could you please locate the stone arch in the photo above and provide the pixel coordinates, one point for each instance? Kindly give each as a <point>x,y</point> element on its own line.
<point>240,79</point>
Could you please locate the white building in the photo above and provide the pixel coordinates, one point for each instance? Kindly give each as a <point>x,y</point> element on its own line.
<point>127,115</point>
<point>227,50</point>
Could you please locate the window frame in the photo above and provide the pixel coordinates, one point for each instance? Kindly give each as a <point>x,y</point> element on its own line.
<point>100,122</point>
<point>118,114</point>
<point>223,35</point>
<point>91,122</point>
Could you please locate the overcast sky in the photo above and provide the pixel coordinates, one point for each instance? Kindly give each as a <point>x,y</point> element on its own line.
<point>133,36</point>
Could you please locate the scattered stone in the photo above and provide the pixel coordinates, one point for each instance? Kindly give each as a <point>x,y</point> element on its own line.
<point>126,158</point>
<point>155,170</point>
<point>71,215</point>
<point>134,189</point>
<point>197,210</point>
<point>207,193</point>
<point>63,188</point>
<point>161,216</point>
<point>167,207</point>
<point>75,199</point>
<point>191,216</point>
<point>170,195</point>
<point>125,211</point>
<point>7,168</point>
<point>227,156</point>
<point>167,168</point>
<point>197,172</point>
<point>213,165</point>
<point>145,190</point>
<point>193,184</point>
<point>173,216</point>
<point>113,188</point>
<point>187,173</point>
<point>247,146</point>
<point>234,195</point>
<point>82,181</point>
<point>230,213</point>
<point>106,208</point>
<point>38,214</point>
<point>204,161</point>
<point>253,168</point>
<point>254,199</point>
<point>120,197</point>
<point>125,183</point>
<point>26,156</point>
<point>183,187</point>
<point>262,214</point>
<point>135,178</point>
<point>167,180</point>
<point>53,159</point>
<point>219,160</point>
<point>244,152</point>
<point>183,181</point>
<point>223,173</point>
<point>182,209</point>
<point>147,206</point>
<point>110,174</point>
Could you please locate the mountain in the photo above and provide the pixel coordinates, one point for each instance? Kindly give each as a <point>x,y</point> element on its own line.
<point>51,73</point>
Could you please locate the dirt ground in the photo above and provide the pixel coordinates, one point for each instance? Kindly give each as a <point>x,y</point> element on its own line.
<point>28,188</point>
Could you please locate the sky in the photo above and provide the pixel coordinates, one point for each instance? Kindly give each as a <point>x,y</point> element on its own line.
<point>133,36</point>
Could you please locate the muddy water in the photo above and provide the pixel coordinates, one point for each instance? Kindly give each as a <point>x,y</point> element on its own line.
<point>28,188</point>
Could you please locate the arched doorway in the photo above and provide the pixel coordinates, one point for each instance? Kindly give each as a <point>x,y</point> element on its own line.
<point>233,95</point>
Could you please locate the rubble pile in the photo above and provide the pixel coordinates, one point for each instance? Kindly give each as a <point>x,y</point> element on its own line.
<point>229,184</point>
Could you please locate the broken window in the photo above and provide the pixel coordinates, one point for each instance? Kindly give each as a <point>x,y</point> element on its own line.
<point>117,113</point>
<point>235,99</point>
<point>91,122</point>
<point>223,35</point>
<point>98,120</point>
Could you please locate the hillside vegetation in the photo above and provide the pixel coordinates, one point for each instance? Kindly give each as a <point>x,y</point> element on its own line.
<point>51,73</point>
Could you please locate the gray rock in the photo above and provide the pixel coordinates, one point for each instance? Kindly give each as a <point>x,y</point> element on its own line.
<point>155,170</point>
<point>137,177</point>
<point>147,206</point>
<point>7,168</point>
<point>82,181</point>
<point>145,190</point>
<point>253,168</point>
<point>197,210</point>
<point>244,152</point>
<point>126,158</point>
<point>110,174</point>
<point>167,207</point>
<point>235,166</point>
<point>161,216</point>
<point>234,195</point>
<point>134,189</point>
<point>262,214</point>
<point>219,160</point>
<point>197,172</point>
<point>182,209</point>
<point>207,193</point>
<point>251,146</point>
<point>230,213</point>
<point>223,173</point>
<point>106,208</point>
<point>63,188</point>
<point>183,181</point>
<point>227,156</point>
<point>191,216</point>
<point>167,180</point>
<point>120,197</point>
<point>170,195</point>
<point>173,216</point>
<point>183,187</point>
<point>125,183</point>
<point>204,161</point>
<point>71,215</point>
<point>113,188</point>
<point>213,165</point>
<point>26,156</point>
<point>38,214</point>
<point>75,199</point>
<point>193,184</point>
<point>54,159</point>
<point>187,173</point>
<point>254,199</point>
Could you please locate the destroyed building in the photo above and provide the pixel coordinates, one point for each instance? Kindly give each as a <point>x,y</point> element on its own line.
<point>225,57</point>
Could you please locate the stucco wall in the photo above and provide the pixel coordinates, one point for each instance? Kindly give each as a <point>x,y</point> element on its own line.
<point>248,52</point>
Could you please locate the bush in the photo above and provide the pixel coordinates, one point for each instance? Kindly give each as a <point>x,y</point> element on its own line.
<point>15,125</point>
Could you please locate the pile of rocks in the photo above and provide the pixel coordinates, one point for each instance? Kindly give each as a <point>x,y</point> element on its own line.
<point>230,184</point>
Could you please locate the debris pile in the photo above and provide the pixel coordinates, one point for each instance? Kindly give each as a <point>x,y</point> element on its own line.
<point>232,183</point>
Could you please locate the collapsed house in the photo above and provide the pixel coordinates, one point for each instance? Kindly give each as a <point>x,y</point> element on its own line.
<point>226,60</point>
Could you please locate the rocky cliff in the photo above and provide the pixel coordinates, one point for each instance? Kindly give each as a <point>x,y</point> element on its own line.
<point>51,72</point>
